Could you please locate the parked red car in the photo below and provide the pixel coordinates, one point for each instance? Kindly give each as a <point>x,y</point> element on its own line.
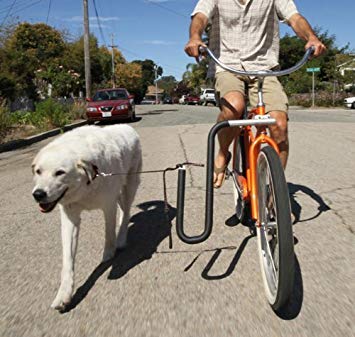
<point>192,99</point>
<point>110,104</point>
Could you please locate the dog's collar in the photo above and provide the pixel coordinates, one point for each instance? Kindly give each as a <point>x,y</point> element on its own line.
<point>95,175</point>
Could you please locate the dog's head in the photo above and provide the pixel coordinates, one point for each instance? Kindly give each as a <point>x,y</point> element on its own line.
<point>60,178</point>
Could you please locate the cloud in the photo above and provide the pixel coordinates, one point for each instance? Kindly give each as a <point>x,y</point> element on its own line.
<point>159,42</point>
<point>92,18</point>
<point>158,1</point>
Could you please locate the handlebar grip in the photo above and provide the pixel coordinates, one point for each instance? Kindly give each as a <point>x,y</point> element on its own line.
<point>202,49</point>
<point>310,51</point>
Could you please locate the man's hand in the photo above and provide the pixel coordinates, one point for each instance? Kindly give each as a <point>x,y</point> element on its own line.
<point>320,48</point>
<point>192,48</point>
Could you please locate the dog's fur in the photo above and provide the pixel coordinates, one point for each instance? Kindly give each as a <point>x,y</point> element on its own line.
<point>65,173</point>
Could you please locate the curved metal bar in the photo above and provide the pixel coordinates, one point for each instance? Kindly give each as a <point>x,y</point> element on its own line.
<point>259,73</point>
<point>209,193</point>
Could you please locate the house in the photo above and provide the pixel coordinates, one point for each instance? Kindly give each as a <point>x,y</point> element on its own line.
<point>348,68</point>
<point>154,93</point>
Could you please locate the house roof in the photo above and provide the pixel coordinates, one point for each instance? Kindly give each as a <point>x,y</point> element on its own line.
<point>151,90</point>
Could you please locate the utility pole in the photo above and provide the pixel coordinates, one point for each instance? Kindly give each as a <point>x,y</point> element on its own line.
<point>156,83</point>
<point>113,61</point>
<point>87,50</point>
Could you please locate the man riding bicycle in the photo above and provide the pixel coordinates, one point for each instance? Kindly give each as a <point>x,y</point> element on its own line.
<point>244,34</point>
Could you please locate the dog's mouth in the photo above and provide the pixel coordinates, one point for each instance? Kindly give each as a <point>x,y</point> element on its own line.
<point>49,206</point>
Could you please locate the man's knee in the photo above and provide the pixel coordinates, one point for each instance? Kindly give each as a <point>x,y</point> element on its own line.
<point>281,122</point>
<point>232,105</point>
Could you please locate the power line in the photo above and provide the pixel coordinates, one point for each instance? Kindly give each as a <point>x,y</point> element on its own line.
<point>8,13</point>
<point>99,23</point>
<point>167,9</point>
<point>7,6</point>
<point>49,9</point>
<point>18,9</point>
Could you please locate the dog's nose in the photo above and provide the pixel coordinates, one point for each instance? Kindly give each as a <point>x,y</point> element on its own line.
<point>39,195</point>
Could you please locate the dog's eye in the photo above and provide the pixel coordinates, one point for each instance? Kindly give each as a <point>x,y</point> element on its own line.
<point>59,173</point>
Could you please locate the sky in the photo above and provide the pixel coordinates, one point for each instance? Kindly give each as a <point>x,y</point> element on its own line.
<point>158,29</point>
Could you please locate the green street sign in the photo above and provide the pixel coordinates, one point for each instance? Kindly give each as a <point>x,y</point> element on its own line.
<point>313,70</point>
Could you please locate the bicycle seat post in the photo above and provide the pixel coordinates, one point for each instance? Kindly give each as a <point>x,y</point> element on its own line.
<point>260,93</point>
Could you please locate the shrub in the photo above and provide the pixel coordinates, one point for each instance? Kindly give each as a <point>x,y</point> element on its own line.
<point>5,121</point>
<point>77,110</point>
<point>51,113</point>
<point>322,98</point>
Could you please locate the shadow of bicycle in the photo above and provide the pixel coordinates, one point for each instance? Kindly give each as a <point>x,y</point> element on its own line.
<point>296,207</point>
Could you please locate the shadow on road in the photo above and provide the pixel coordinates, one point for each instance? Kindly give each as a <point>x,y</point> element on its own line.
<point>150,227</point>
<point>122,121</point>
<point>297,208</point>
<point>232,265</point>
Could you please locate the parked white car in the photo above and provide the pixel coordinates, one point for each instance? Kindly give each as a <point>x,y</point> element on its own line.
<point>207,96</point>
<point>349,102</point>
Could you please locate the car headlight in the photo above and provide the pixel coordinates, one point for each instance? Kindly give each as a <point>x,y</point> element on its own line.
<point>91,109</point>
<point>122,107</point>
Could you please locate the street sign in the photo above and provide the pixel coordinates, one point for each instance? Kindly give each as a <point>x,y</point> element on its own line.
<point>313,70</point>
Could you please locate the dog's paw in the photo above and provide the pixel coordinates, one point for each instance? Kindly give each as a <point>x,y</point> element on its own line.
<point>60,302</point>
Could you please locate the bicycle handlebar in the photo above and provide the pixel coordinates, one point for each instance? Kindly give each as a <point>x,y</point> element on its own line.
<point>259,73</point>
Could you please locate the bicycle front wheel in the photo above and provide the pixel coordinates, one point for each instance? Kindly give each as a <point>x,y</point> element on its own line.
<point>274,232</point>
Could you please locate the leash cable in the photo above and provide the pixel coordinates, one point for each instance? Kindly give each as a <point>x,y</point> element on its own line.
<point>166,203</point>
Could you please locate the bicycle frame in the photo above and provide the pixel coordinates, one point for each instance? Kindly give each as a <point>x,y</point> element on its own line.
<point>252,146</point>
<point>209,179</point>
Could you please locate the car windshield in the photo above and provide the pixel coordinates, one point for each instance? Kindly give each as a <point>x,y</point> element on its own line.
<point>110,95</point>
<point>209,91</point>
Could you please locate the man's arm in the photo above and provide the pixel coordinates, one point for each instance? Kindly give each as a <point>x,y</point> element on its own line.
<point>198,24</point>
<point>304,31</point>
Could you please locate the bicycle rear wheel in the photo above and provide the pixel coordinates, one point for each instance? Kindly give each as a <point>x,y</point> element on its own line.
<point>274,233</point>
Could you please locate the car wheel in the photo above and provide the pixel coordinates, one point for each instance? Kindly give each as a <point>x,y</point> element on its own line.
<point>353,105</point>
<point>133,115</point>
<point>90,122</point>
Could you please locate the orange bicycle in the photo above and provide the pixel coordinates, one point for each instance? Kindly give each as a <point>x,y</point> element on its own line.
<point>261,193</point>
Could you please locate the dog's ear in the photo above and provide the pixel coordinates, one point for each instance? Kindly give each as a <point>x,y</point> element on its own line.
<point>89,169</point>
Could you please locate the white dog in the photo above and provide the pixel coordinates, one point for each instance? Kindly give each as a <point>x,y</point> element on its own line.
<point>65,173</point>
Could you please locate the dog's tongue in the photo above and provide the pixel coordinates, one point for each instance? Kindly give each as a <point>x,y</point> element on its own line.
<point>45,208</point>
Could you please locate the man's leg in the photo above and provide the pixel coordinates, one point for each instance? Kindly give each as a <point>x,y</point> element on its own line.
<point>279,134</point>
<point>276,104</point>
<point>232,107</point>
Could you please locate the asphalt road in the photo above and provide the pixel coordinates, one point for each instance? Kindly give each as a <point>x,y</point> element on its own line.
<point>210,289</point>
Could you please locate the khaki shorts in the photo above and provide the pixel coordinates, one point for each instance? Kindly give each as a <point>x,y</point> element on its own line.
<point>275,98</point>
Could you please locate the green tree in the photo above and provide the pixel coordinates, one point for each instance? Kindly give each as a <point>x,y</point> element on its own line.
<point>168,84</point>
<point>148,74</point>
<point>292,50</point>
<point>195,75</point>
<point>29,48</point>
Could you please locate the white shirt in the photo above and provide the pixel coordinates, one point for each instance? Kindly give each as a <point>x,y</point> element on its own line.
<point>245,36</point>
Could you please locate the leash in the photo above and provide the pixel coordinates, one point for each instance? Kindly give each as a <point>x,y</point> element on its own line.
<point>166,203</point>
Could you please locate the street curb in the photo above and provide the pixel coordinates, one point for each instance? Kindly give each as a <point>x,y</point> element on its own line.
<point>19,143</point>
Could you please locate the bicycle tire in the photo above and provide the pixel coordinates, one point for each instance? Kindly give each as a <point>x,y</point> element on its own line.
<point>274,234</point>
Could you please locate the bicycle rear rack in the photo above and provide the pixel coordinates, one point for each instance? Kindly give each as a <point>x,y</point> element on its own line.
<point>209,180</point>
